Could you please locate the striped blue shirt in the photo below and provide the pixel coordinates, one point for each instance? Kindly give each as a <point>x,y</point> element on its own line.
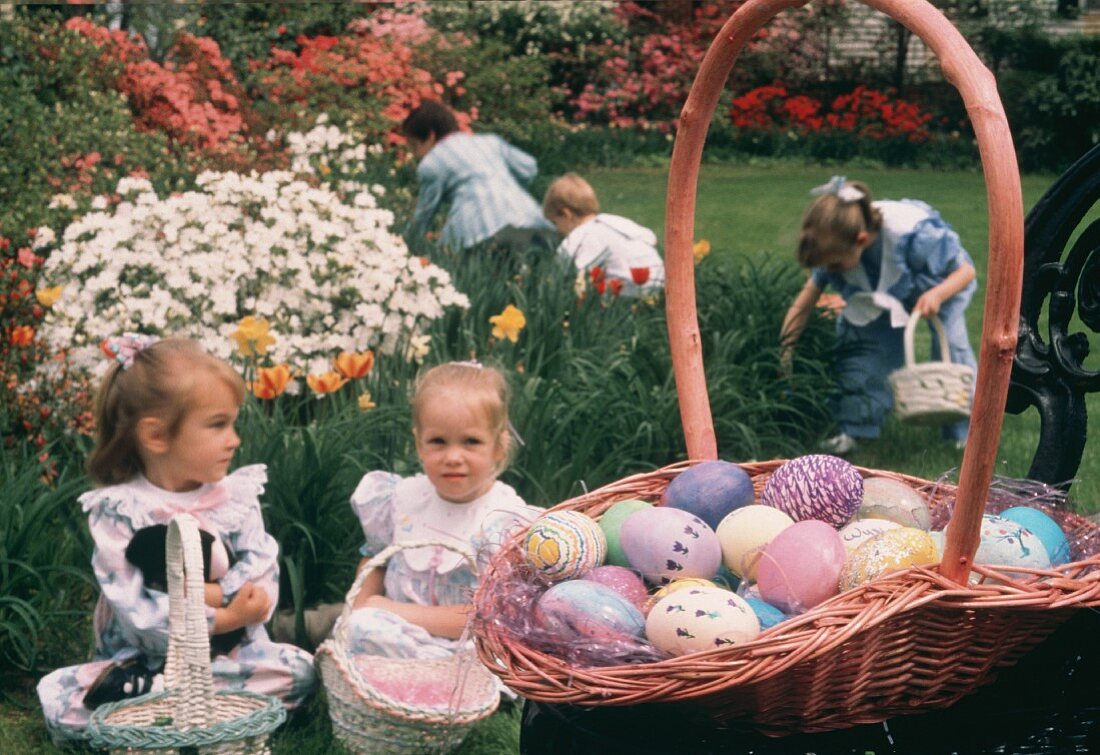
<point>480,177</point>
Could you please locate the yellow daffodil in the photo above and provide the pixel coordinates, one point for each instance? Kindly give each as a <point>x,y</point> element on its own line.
<point>352,365</point>
<point>327,383</point>
<point>270,381</point>
<point>700,249</point>
<point>508,323</point>
<point>47,297</point>
<point>252,337</point>
<point>365,402</point>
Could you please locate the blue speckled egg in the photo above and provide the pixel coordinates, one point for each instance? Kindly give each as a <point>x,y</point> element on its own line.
<point>582,608</point>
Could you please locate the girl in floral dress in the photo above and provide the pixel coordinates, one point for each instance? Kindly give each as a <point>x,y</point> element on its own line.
<point>165,417</point>
<point>418,606</point>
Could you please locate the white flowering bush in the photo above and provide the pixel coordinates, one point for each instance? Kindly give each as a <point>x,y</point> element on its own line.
<point>323,269</point>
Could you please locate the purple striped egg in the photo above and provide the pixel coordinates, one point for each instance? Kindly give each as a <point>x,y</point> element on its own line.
<point>818,486</point>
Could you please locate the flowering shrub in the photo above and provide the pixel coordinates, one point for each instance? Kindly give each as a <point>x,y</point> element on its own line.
<point>370,81</point>
<point>865,113</point>
<point>328,275</point>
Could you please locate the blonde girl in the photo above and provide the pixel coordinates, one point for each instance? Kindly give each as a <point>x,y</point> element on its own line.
<point>165,415</point>
<point>885,259</point>
<point>418,606</point>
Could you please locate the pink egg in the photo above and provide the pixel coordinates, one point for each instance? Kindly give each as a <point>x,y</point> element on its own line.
<point>801,566</point>
<point>624,581</point>
<point>665,544</point>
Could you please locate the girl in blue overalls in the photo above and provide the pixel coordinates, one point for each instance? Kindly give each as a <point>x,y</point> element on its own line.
<point>885,259</point>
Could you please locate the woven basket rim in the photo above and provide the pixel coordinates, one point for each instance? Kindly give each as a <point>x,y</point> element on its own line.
<point>261,721</point>
<point>797,639</point>
<point>342,663</point>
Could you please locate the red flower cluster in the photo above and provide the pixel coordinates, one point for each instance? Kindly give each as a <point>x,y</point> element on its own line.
<point>194,97</point>
<point>866,113</point>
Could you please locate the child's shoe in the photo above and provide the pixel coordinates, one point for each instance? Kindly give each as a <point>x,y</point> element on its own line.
<point>123,680</point>
<point>839,444</point>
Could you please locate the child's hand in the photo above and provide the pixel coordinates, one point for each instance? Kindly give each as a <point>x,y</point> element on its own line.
<point>212,594</point>
<point>250,605</point>
<point>929,303</point>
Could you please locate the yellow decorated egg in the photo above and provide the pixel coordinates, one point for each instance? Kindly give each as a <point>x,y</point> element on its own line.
<point>856,533</point>
<point>888,551</point>
<point>700,618</point>
<point>564,544</point>
<point>893,500</point>
<point>671,587</point>
<point>744,532</point>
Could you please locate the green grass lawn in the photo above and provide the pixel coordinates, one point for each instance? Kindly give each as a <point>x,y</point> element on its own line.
<point>752,212</point>
<point>755,211</point>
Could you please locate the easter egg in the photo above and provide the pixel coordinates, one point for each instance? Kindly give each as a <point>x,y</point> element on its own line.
<point>611,521</point>
<point>710,490</point>
<point>1043,527</point>
<point>888,551</point>
<point>700,618</point>
<point>664,544</point>
<point>893,500</point>
<point>564,544</point>
<point>801,566</point>
<point>673,586</point>
<point>858,531</point>
<point>624,581</point>
<point>1007,543</point>
<point>818,486</point>
<point>767,614</point>
<point>744,533</point>
<point>582,608</point>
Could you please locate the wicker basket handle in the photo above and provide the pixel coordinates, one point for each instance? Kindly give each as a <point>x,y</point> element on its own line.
<point>941,336</point>
<point>187,668</point>
<point>383,557</point>
<point>975,83</point>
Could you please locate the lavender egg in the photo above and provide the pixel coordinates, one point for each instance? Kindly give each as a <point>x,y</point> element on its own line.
<point>666,544</point>
<point>819,486</point>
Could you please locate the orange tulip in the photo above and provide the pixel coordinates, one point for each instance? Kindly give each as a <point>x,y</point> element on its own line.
<point>22,335</point>
<point>352,365</point>
<point>252,336</point>
<point>328,383</point>
<point>270,381</point>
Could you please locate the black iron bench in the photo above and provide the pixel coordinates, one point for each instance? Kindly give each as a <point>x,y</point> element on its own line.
<point>1050,701</point>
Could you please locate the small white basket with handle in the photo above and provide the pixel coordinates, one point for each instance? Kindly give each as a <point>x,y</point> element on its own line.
<point>189,715</point>
<point>400,706</point>
<point>934,392</point>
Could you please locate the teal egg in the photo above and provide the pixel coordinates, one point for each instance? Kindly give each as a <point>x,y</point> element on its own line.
<point>768,614</point>
<point>612,521</point>
<point>1044,528</point>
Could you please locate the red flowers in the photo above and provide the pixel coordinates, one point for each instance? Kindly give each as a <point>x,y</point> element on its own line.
<point>866,113</point>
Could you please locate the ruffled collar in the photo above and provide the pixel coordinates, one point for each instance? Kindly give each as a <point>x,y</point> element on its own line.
<point>420,514</point>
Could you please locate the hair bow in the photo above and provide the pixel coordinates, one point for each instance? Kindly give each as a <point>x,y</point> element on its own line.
<point>469,363</point>
<point>839,188</point>
<point>124,348</point>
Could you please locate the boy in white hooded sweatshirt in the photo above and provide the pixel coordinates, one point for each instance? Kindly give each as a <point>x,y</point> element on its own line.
<point>618,254</point>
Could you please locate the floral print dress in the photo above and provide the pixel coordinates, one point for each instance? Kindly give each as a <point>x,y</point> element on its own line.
<point>131,617</point>
<point>392,509</point>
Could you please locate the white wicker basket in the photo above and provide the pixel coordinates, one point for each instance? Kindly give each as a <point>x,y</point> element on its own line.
<point>370,705</point>
<point>189,716</point>
<point>931,393</point>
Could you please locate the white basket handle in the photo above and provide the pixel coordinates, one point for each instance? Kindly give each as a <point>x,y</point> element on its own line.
<point>941,334</point>
<point>382,558</point>
<point>187,667</point>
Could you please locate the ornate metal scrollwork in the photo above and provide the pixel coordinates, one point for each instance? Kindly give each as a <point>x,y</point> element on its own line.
<point>1050,374</point>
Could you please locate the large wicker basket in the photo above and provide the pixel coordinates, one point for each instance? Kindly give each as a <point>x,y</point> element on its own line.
<point>913,640</point>
<point>376,709</point>
<point>189,716</point>
<point>935,392</point>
